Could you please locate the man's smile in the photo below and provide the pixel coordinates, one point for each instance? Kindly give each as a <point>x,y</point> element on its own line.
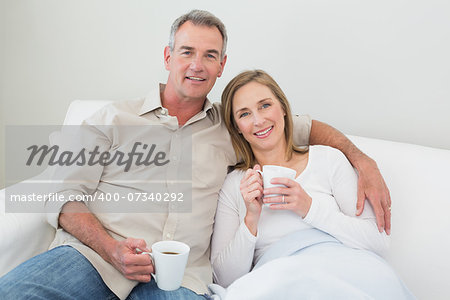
<point>195,78</point>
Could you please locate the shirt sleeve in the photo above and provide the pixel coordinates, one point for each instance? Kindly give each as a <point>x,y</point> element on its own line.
<point>302,129</point>
<point>233,246</point>
<point>338,217</point>
<point>71,182</point>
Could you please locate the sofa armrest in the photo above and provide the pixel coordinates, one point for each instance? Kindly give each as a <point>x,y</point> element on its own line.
<point>417,177</point>
<point>22,236</point>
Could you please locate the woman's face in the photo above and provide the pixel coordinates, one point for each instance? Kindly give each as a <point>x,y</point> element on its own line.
<point>259,116</point>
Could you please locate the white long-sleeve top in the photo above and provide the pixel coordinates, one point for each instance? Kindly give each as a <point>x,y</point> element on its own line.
<point>331,182</point>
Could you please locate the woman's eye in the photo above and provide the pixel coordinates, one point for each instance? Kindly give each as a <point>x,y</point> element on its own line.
<point>243,115</point>
<point>265,105</point>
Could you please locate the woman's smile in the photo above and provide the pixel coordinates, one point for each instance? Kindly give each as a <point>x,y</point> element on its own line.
<point>264,133</point>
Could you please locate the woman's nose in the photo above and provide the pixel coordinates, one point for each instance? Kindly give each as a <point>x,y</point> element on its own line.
<point>257,119</point>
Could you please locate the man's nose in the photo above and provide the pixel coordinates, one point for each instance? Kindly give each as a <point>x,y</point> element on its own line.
<point>197,64</point>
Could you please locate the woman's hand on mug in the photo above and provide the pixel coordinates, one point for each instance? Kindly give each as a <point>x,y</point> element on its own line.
<point>252,191</point>
<point>293,197</point>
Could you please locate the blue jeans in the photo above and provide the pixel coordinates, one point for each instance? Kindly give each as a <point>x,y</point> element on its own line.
<point>63,273</point>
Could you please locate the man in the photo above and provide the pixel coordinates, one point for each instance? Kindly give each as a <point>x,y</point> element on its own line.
<point>95,254</point>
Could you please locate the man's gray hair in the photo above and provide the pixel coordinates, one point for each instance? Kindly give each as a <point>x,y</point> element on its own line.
<point>199,18</point>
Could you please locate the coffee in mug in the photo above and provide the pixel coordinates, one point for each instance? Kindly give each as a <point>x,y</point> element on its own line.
<point>169,260</point>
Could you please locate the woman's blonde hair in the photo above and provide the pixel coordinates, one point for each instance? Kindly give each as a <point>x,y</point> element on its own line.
<point>242,148</point>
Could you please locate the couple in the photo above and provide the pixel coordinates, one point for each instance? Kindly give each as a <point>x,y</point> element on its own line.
<point>307,242</point>
<point>94,254</point>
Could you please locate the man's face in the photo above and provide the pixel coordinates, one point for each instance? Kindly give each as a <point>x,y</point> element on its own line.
<point>194,63</point>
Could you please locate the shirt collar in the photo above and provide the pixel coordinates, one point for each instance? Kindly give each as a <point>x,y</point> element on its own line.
<point>153,101</point>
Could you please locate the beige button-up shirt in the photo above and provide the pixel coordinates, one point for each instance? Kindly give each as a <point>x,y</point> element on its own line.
<point>198,154</point>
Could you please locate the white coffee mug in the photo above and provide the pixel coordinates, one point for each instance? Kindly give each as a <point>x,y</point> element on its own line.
<point>271,171</point>
<point>169,260</point>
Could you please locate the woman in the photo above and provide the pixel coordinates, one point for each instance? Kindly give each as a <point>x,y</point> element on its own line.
<point>309,243</point>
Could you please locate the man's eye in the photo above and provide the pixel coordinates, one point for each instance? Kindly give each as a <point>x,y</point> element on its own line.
<point>186,52</point>
<point>243,115</point>
<point>211,56</point>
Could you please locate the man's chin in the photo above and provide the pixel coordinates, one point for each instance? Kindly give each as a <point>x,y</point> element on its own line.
<point>197,94</point>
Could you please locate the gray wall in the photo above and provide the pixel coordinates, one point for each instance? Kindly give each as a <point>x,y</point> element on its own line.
<point>371,68</point>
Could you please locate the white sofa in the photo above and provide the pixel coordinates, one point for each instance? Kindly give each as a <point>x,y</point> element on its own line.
<point>417,177</point>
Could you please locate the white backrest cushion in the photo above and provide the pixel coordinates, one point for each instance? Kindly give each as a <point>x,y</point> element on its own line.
<point>82,109</point>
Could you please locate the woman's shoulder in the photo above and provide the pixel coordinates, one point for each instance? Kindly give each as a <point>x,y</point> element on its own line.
<point>327,156</point>
<point>235,176</point>
<point>327,151</point>
<point>232,182</point>
<point>230,194</point>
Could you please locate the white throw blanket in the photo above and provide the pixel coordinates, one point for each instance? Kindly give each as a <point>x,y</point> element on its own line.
<point>311,264</point>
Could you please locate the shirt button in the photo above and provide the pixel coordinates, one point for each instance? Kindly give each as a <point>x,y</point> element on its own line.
<point>163,111</point>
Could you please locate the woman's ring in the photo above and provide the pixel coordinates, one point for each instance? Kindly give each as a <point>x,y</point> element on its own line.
<point>283,199</point>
